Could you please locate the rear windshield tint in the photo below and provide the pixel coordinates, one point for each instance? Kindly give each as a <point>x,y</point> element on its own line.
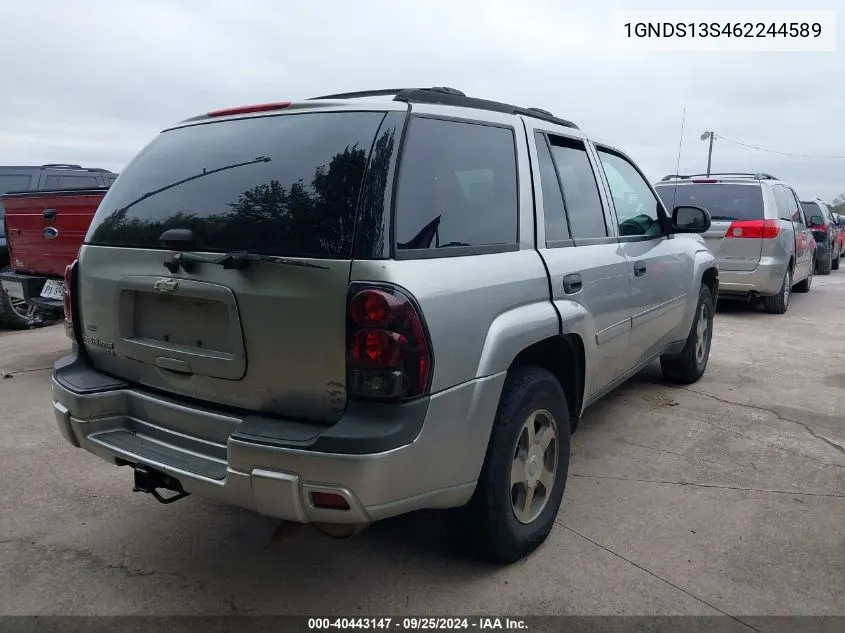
<point>276,185</point>
<point>723,201</point>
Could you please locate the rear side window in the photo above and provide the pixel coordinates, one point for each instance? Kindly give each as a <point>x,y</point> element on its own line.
<point>70,182</point>
<point>275,185</point>
<point>14,182</point>
<point>457,186</point>
<point>722,201</point>
<point>580,189</point>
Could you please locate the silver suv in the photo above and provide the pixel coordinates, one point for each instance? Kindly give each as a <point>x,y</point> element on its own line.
<point>344,309</point>
<point>759,233</point>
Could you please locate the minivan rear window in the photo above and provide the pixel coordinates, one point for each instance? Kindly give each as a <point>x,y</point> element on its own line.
<point>274,185</point>
<point>723,201</point>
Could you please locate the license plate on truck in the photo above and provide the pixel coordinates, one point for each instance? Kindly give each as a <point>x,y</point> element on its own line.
<point>14,289</point>
<point>53,289</point>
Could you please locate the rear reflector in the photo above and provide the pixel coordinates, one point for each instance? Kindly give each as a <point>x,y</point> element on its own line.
<point>754,229</point>
<point>260,107</point>
<point>329,501</point>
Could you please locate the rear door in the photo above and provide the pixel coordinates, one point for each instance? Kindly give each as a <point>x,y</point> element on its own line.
<point>584,260</point>
<point>269,337</point>
<point>727,203</point>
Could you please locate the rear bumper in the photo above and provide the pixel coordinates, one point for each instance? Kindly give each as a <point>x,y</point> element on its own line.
<point>764,280</point>
<point>384,460</point>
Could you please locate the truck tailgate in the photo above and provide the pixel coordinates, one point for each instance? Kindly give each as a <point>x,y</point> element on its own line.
<point>46,229</point>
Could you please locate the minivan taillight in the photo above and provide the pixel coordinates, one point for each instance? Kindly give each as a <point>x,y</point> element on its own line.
<point>388,352</point>
<point>68,304</point>
<point>765,229</point>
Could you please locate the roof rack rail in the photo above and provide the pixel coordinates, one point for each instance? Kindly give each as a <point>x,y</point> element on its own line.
<point>731,174</point>
<point>442,95</point>
<point>63,166</point>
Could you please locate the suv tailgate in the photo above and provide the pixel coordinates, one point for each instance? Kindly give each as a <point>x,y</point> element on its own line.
<point>270,337</point>
<point>727,203</point>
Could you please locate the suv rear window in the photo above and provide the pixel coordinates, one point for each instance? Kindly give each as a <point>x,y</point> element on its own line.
<point>457,186</point>
<point>723,201</point>
<point>275,185</point>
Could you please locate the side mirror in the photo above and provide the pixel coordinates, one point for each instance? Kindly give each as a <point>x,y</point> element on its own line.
<point>816,220</point>
<point>690,220</point>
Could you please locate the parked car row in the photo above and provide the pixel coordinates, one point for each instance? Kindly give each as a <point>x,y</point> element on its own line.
<point>351,307</point>
<point>767,241</point>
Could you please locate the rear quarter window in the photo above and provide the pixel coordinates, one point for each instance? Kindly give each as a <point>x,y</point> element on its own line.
<point>457,186</point>
<point>276,185</point>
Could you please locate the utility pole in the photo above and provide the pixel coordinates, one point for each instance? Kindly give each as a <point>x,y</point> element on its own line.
<point>704,137</point>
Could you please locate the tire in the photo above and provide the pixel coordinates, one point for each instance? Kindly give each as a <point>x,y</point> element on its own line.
<point>804,286</point>
<point>689,366</point>
<point>531,395</point>
<point>11,317</point>
<point>835,264</point>
<point>780,302</point>
<point>825,265</point>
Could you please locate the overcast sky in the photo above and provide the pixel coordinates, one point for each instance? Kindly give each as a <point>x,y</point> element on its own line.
<point>92,82</point>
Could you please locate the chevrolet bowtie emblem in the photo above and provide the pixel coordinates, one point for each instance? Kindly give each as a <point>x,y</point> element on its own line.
<point>165,285</point>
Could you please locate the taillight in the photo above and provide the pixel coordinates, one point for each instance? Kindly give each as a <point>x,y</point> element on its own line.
<point>68,304</point>
<point>765,229</point>
<point>388,353</point>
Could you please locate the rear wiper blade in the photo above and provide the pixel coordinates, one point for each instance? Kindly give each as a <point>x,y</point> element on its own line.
<point>234,260</point>
<point>721,217</point>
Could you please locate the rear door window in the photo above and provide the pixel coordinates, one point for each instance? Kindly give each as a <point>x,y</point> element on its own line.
<point>580,189</point>
<point>14,182</point>
<point>722,201</point>
<point>275,185</point>
<point>457,186</point>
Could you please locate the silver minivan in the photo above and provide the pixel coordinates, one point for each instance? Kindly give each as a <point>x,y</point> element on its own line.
<point>759,233</point>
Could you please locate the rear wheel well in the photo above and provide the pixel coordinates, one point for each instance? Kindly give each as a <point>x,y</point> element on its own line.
<point>563,356</point>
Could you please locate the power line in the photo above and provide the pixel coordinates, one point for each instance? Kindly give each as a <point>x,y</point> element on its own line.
<point>774,151</point>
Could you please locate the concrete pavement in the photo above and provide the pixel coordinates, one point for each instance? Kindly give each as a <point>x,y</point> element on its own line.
<point>724,497</point>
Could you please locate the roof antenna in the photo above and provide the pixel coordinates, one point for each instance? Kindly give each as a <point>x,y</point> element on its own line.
<point>678,165</point>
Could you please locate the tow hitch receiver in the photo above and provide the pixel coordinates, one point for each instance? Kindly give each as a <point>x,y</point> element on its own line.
<point>149,480</point>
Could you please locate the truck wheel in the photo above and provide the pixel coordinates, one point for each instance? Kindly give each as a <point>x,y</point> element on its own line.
<point>826,264</point>
<point>13,312</point>
<point>780,302</point>
<point>521,485</point>
<point>688,366</point>
<point>805,285</point>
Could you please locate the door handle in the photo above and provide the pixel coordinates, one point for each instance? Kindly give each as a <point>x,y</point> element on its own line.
<point>572,283</point>
<point>49,214</point>
<point>639,269</point>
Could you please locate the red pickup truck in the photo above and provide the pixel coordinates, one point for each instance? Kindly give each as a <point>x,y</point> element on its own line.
<point>44,230</point>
